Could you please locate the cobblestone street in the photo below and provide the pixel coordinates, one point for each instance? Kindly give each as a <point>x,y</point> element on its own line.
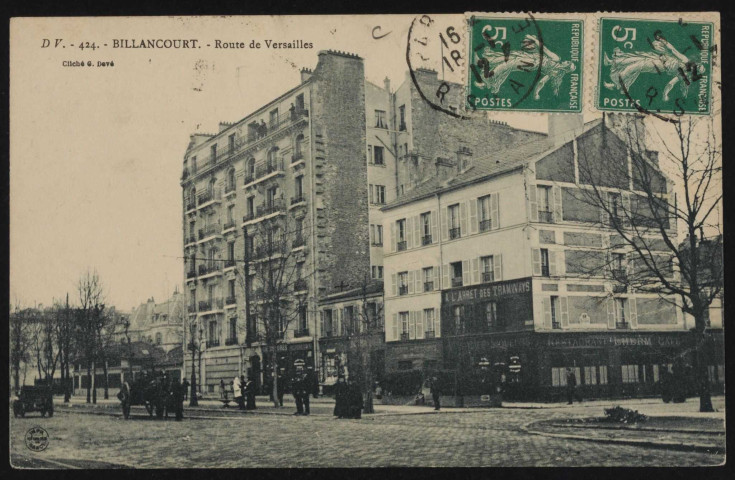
<point>230,439</point>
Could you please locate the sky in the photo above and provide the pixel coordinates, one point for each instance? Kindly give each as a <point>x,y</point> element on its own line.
<point>96,152</point>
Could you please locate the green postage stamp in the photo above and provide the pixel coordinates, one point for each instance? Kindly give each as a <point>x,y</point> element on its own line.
<point>525,64</point>
<point>655,66</point>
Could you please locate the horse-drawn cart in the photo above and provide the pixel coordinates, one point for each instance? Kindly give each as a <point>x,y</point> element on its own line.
<point>155,394</point>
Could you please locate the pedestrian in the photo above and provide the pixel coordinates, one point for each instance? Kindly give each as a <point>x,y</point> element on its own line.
<point>340,398</point>
<point>296,389</point>
<point>571,385</point>
<point>179,390</point>
<point>223,392</point>
<point>378,391</point>
<point>435,392</point>
<point>280,388</point>
<point>263,129</point>
<point>237,392</point>
<point>186,386</point>
<point>250,394</point>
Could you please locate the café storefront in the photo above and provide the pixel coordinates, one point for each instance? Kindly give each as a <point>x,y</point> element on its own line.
<point>286,354</point>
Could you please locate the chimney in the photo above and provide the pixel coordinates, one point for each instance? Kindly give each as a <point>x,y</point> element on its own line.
<point>306,74</point>
<point>445,168</point>
<point>386,82</point>
<point>629,127</point>
<point>563,127</point>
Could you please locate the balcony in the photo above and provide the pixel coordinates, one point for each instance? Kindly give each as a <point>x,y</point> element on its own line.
<point>212,343</point>
<point>249,178</point>
<point>456,282</point>
<point>486,225</point>
<point>230,300</point>
<point>300,285</point>
<point>545,216</point>
<point>556,325</point>
<point>403,290</point>
<point>213,268</point>
<point>430,334</point>
<point>297,200</point>
<point>298,242</point>
<point>267,250</point>
<point>488,277</point>
<point>230,262</point>
<point>622,325</point>
<point>263,169</point>
<point>205,306</point>
<point>404,336</point>
<point>296,157</point>
<point>401,245</point>
<point>191,309</point>
<point>376,243</point>
<point>230,224</point>
<point>191,274</point>
<point>455,233</point>
<point>191,205</point>
<point>302,332</point>
<point>207,198</point>
<point>191,239</point>
<point>230,188</point>
<point>426,240</point>
<point>545,271</point>
<point>275,206</point>
<point>428,286</point>
<point>209,231</point>
<point>231,341</point>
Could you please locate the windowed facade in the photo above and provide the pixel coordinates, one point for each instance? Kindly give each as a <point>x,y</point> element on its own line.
<point>484,206</point>
<point>403,283</point>
<point>455,269</point>
<point>380,119</point>
<point>401,234</point>
<point>378,153</point>
<point>621,313</point>
<point>543,197</point>
<point>487,268</point>
<point>428,274</point>
<point>426,228</point>
<point>554,304</point>
<point>454,223</point>
<point>545,262</point>
<point>402,118</point>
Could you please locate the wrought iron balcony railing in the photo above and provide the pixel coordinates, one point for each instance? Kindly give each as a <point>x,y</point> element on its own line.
<point>231,341</point>
<point>403,290</point>
<point>402,245</point>
<point>486,225</point>
<point>230,300</point>
<point>302,332</point>
<point>426,240</point>
<point>429,334</point>
<point>428,286</point>
<point>212,343</point>
<point>457,282</point>
<point>622,325</point>
<point>488,277</point>
<point>268,208</point>
<point>455,233</point>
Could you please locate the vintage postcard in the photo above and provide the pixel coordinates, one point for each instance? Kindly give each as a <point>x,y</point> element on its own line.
<point>475,239</point>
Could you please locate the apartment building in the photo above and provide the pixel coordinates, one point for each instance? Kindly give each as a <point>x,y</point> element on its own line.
<point>309,172</point>
<point>501,261</point>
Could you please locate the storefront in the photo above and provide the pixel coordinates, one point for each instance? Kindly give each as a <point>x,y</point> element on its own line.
<point>286,354</point>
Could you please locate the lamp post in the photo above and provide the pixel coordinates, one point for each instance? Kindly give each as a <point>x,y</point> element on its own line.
<point>201,335</point>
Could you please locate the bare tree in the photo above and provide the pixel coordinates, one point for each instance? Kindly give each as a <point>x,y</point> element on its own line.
<point>276,283</point>
<point>194,345</point>
<point>364,335</point>
<point>89,316</point>
<point>20,342</point>
<point>633,190</point>
<point>65,339</point>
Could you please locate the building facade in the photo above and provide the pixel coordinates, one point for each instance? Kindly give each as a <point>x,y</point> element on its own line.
<point>503,262</point>
<point>307,174</point>
<point>158,323</point>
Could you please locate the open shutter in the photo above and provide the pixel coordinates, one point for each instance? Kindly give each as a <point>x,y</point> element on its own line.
<point>627,213</point>
<point>393,283</point>
<point>339,330</point>
<point>411,241</point>
<point>411,325</point>
<point>557,204</point>
<point>633,312</point>
<point>393,236</point>
<point>536,254</point>
<point>436,278</point>
<point>370,194</point>
<point>475,270</point>
<point>473,216</point>
<point>564,307</point>
<point>604,215</point>
<point>394,327</point>
<point>410,282</point>
<point>445,225</point>
<point>417,231</point>
<point>546,302</point>
<point>498,267</point>
<point>552,263</point>
<point>445,276</point>
<point>434,226</point>
<point>420,324</point>
<point>532,204</point>
<point>495,211</point>
<point>463,228</point>
<point>610,312</point>
<point>465,272</point>
<point>418,278</point>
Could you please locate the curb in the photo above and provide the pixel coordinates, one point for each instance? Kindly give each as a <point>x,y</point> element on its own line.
<point>684,447</point>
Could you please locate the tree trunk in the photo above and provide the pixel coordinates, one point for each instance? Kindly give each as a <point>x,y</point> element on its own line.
<point>276,403</point>
<point>89,382</point>
<point>701,370</point>
<point>68,383</point>
<point>16,375</point>
<point>107,381</point>
<point>94,383</point>
<point>193,401</point>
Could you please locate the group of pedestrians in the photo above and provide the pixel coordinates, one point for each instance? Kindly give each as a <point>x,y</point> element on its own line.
<point>347,399</point>
<point>243,391</point>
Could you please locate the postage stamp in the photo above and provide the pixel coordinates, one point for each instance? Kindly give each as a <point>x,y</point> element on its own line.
<point>654,66</point>
<point>525,63</point>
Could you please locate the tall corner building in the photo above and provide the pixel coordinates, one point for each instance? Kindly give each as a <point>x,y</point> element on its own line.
<point>319,162</point>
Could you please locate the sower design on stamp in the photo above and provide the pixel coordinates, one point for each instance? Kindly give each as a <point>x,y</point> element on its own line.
<point>525,64</point>
<point>658,67</point>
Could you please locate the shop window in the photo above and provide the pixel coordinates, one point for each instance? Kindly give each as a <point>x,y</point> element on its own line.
<point>603,375</point>
<point>590,375</point>
<point>558,377</point>
<point>630,373</point>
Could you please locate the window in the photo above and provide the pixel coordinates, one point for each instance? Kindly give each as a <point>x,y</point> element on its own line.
<point>271,159</point>
<point>486,263</point>
<point>232,332</point>
<point>484,205</point>
<point>590,375</point>
<point>621,310</point>
<point>429,322</point>
<point>231,180</point>
<point>193,165</point>
<point>456,271</point>
<point>428,279</point>
<point>614,206</point>
<point>230,216</point>
<point>298,147</point>
<point>300,102</point>
<point>273,121</point>
<point>251,206</point>
<point>630,373</point>
<point>558,377</point>
<point>213,340</point>
<point>403,283</point>
<point>250,170</point>
<point>377,271</point>
<point>378,156</point>
<point>544,262</point>
<point>328,323</point>
<point>402,118</point>
<point>491,316</point>
<point>376,235</point>
<point>603,375</point>
<point>231,142</point>
<point>230,254</point>
<point>403,321</point>
<point>271,196</point>
<point>231,289</point>
<point>457,315</point>
<point>543,196</point>
<point>303,319</point>
<point>554,309</point>
<point>379,194</point>
<point>299,188</point>
<point>213,154</point>
<point>380,121</point>
<point>454,225</point>
<point>426,228</point>
<point>401,234</point>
